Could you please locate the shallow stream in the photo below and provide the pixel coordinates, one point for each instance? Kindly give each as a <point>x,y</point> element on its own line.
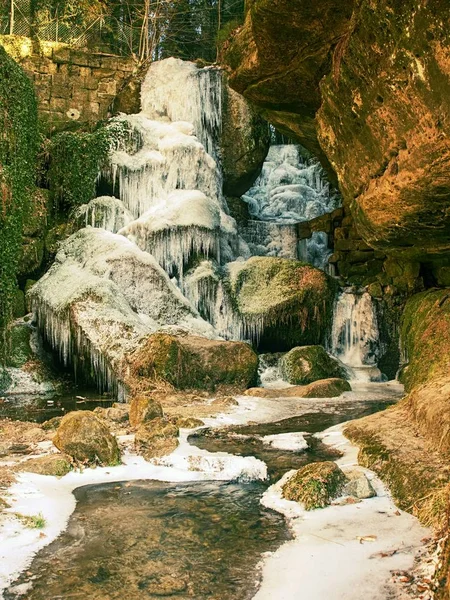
<point>203,540</point>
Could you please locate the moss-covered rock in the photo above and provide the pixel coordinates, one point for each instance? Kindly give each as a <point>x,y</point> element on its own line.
<point>20,348</point>
<point>144,408</point>
<point>306,364</point>
<point>324,388</point>
<point>425,337</point>
<point>315,485</point>
<point>192,362</point>
<point>84,437</point>
<point>56,465</point>
<point>288,303</point>
<point>117,414</point>
<point>156,438</point>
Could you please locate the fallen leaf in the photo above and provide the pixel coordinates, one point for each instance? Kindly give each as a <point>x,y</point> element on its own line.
<point>366,538</point>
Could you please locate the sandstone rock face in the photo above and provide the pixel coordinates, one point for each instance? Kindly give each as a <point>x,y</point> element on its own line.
<point>156,438</point>
<point>86,438</point>
<point>306,364</point>
<point>315,485</point>
<point>372,80</point>
<point>144,408</point>
<point>191,362</point>
<point>279,57</point>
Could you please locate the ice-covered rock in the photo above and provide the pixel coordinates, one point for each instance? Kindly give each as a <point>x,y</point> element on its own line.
<point>105,212</point>
<point>101,298</point>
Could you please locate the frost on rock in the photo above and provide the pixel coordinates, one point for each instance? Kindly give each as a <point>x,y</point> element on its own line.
<point>187,223</point>
<point>105,212</point>
<point>101,298</point>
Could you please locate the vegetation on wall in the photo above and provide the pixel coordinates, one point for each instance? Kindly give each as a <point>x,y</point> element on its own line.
<point>77,158</point>
<point>18,146</point>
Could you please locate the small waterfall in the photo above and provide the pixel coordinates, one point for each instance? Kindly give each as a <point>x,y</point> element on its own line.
<point>271,239</point>
<point>355,336</point>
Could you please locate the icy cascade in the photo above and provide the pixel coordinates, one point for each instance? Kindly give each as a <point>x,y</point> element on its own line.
<point>271,239</point>
<point>180,91</point>
<point>355,335</point>
<point>105,212</point>
<point>290,188</point>
<point>165,173</point>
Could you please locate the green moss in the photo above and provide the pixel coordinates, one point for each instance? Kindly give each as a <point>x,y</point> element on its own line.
<point>425,337</point>
<point>76,159</point>
<point>18,147</point>
<point>306,364</point>
<point>315,485</point>
<point>20,351</point>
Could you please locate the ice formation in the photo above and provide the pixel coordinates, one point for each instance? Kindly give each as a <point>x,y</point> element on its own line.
<point>105,212</point>
<point>290,189</point>
<point>355,335</point>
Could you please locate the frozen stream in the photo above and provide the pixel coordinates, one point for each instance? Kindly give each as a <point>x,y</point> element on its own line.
<point>193,525</point>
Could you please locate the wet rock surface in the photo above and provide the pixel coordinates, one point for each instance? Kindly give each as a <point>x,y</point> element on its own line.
<point>156,438</point>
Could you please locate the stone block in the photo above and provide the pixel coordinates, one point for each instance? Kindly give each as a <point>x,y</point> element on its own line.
<point>107,88</point>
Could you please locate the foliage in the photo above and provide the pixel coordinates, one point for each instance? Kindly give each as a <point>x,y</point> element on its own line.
<point>18,147</point>
<point>32,521</point>
<point>76,159</point>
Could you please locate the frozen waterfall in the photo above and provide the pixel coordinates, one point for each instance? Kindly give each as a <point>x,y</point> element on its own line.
<point>291,189</point>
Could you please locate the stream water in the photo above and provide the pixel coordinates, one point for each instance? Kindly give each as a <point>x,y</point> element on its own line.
<point>204,540</point>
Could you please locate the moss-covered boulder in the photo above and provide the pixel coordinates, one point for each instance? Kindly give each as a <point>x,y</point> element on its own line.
<point>425,337</point>
<point>85,437</point>
<point>316,485</point>
<point>118,413</point>
<point>192,362</point>
<point>306,364</point>
<point>57,465</point>
<point>156,438</point>
<point>282,303</point>
<point>144,408</point>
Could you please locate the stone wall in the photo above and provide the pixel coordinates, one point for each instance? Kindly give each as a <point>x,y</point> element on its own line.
<point>72,86</point>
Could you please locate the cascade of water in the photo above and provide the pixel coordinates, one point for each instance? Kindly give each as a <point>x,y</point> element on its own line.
<point>355,335</point>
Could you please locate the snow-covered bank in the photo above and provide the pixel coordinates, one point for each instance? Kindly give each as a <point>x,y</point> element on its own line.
<point>329,557</point>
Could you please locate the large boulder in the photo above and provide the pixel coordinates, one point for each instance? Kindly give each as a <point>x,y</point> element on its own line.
<point>306,364</point>
<point>192,362</point>
<point>282,303</point>
<point>156,438</point>
<point>101,299</point>
<point>85,438</point>
<point>315,485</point>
